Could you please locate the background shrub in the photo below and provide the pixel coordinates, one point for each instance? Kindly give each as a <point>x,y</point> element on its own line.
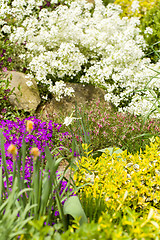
<point>106,2</point>
<point>124,224</point>
<point>149,14</point>
<point>152,20</point>
<point>6,110</point>
<point>130,11</point>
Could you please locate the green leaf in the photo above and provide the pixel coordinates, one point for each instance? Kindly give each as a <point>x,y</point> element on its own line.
<point>38,224</point>
<point>74,208</point>
<point>111,150</point>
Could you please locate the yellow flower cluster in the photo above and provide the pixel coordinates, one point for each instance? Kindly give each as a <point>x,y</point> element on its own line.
<point>112,176</point>
<point>126,6</point>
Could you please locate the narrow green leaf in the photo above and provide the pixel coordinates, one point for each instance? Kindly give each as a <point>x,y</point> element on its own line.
<point>1,185</point>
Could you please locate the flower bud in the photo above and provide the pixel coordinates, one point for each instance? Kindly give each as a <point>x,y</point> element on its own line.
<point>12,150</point>
<point>35,152</point>
<point>29,126</point>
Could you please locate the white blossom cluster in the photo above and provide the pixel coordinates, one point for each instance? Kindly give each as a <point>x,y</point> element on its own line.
<point>6,29</point>
<point>60,90</point>
<point>80,36</point>
<point>135,6</point>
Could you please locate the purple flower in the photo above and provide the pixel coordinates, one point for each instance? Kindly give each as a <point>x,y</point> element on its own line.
<point>4,110</point>
<point>56,213</point>
<point>42,135</point>
<point>24,69</point>
<point>9,60</point>
<point>1,63</point>
<point>5,98</point>
<point>7,90</point>
<point>48,3</point>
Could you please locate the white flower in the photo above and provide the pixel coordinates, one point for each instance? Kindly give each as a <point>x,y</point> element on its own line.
<point>54,1</point>
<point>60,89</point>
<point>29,83</point>
<point>152,139</point>
<point>68,120</point>
<point>2,22</point>
<point>90,177</point>
<point>107,199</point>
<point>128,176</point>
<point>136,166</point>
<point>6,29</point>
<point>45,97</point>
<point>157,172</point>
<point>129,165</point>
<point>135,6</point>
<point>148,30</point>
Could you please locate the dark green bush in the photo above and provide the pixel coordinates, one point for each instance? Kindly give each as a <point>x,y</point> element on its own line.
<point>106,2</point>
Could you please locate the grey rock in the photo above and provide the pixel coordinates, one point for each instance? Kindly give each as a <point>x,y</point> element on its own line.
<point>26,97</point>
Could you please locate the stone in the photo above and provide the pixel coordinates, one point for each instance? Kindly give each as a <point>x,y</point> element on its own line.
<point>83,95</point>
<point>25,95</point>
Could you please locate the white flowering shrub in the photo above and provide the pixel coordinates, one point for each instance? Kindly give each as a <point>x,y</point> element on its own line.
<point>86,42</point>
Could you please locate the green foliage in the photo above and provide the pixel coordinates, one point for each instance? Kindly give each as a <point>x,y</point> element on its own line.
<point>36,229</point>
<point>5,106</point>
<point>106,2</point>
<point>77,211</point>
<point>145,5</point>
<point>9,56</point>
<point>87,231</point>
<point>93,207</point>
<point>124,223</point>
<point>152,20</point>
<point>12,225</point>
<point>6,51</point>
<point>155,100</point>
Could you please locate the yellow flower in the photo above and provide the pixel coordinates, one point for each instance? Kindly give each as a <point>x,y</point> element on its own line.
<point>29,126</point>
<point>12,150</point>
<point>35,153</point>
